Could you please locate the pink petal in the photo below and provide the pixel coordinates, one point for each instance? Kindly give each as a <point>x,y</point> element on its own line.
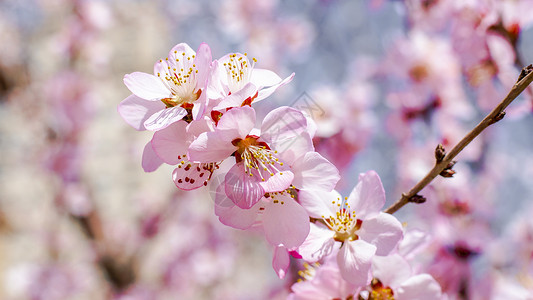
<point>419,287</point>
<point>165,117</point>
<point>368,197</point>
<point>354,260</point>
<point>203,64</point>
<point>171,142</point>
<point>135,111</point>
<point>236,99</point>
<point>264,93</point>
<point>262,78</point>
<point>318,203</point>
<point>312,171</point>
<point>243,190</point>
<point>200,126</point>
<point>230,214</point>
<point>210,147</point>
<point>282,125</point>
<point>292,149</point>
<point>384,231</point>
<point>391,270</point>
<point>189,176</point>
<point>146,86</point>
<point>280,261</point>
<point>280,181</point>
<point>240,120</point>
<point>413,242</point>
<point>318,244</point>
<point>285,222</point>
<point>150,160</point>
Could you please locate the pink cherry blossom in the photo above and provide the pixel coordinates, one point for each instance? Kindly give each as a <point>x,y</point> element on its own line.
<point>354,224</point>
<point>177,89</point>
<point>393,277</point>
<point>236,81</point>
<point>262,162</point>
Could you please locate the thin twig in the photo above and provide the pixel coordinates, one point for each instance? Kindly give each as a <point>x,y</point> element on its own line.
<point>526,77</point>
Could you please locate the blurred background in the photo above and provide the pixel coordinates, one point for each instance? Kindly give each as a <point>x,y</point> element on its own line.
<point>386,81</point>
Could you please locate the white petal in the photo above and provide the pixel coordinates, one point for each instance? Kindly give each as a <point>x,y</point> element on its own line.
<point>319,243</point>
<point>384,231</point>
<point>135,111</point>
<point>165,117</point>
<point>354,259</point>
<point>146,86</point>
<point>319,203</point>
<point>262,78</point>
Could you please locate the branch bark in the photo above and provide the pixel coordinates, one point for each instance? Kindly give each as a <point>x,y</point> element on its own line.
<point>526,77</point>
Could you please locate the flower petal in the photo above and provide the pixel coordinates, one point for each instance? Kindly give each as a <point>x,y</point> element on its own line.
<point>150,160</point>
<point>419,287</point>
<point>264,93</point>
<point>135,111</point>
<point>210,147</point>
<point>292,149</point>
<point>230,214</point>
<point>171,143</point>
<point>280,261</point>
<point>280,181</point>
<point>263,77</point>
<point>282,125</point>
<point>391,270</point>
<point>312,171</point>
<point>384,231</point>
<point>240,120</point>
<point>319,203</point>
<point>285,222</point>
<point>354,260</point>
<point>244,191</point>
<point>165,117</point>
<point>146,86</point>
<point>189,176</point>
<point>368,197</point>
<point>236,99</point>
<point>203,64</point>
<point>318,244</point>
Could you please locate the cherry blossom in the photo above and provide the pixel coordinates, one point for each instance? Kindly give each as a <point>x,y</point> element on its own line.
<point>236,82</point>
<point>177,89</point>
<point>354,225</point>
<point>394,279</point>
<point>259,167</point>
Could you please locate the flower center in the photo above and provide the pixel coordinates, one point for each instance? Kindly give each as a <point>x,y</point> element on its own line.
<point>181,79</point>
<point>239,71</point>
<point>380,292</point>
<point>344,222</point>
<point>257,157</point>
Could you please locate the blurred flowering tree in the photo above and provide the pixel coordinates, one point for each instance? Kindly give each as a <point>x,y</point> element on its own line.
<point>247,158</point>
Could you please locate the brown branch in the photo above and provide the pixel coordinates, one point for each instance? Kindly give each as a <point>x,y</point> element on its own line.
<point>526,77</point>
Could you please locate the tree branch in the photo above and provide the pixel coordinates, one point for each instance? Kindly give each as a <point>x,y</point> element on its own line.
<point>525,78</point>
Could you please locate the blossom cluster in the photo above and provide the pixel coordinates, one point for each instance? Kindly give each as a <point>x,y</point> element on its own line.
<point>203,122</point>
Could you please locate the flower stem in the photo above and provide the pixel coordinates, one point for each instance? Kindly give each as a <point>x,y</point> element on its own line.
<point>526,77</point>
